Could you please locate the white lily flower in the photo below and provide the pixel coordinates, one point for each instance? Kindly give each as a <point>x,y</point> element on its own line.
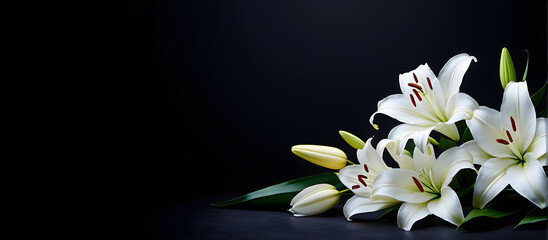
<point>425,189</point>
<point>516,141</point>
<point>360,178</point>
<point>427,103</point>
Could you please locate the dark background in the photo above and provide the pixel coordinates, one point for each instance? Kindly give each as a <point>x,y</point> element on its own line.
<point>113,111</point>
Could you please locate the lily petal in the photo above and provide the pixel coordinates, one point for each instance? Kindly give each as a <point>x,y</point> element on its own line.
<point>404,132</point>
<point>349,177</point>
<point>369,155</point>
<point>404,160</point>
<point>479,156</point>
<point>424,77</point>
<point>447,206</point>
<point>517,105</point>
<point>453,71</point>
<point>449,163</point>
<point>490,181</point>
<point>398,106</point>
<point>537,148</point>
<point>409,213</point>
<point>529,180</point>
<point>398,184</point>
<point>486,128</point>
<point>460,106</point>
<point>424,160</point>
<point>356,205</point>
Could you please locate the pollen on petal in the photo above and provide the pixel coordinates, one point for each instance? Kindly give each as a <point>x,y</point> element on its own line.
<point>415,77</point>
<point>412,100</point>
<point>365,168</point>
<point>502,141</point>
<point>513,124</point>
<point>429,83</point>
<point>509,136</point>
<point>355,187</point>
<point>418,184</point>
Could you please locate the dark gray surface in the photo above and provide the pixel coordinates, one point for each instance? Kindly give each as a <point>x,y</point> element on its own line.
<point>196,219</point>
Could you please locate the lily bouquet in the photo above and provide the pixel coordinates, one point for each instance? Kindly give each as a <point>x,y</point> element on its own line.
<point>492,159</point>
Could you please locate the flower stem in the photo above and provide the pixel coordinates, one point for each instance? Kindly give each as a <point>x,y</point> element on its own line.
<point>433,141</point>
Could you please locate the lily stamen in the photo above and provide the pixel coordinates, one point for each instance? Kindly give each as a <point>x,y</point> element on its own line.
<point>415,77</point>
<point>429,83</point>
<point>361,179</point>
<point>412,100</point>
<point>365,168</point>
<point>509,136</point>
<point>418,184</point>
<point>417,86</point>
<point>417,94</point>
<point>502,141</point>
<point>513,124</point>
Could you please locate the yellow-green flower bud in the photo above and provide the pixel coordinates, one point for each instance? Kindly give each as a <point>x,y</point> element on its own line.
<point>507,70</point>
<point>314,200</point>
<point>329,157</point>
<point>352,140</point>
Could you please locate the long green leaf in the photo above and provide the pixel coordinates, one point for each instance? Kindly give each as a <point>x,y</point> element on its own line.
<point>488,212</point>
<point>534,216</point>
<point>537,97</point>
<point>279,196</point>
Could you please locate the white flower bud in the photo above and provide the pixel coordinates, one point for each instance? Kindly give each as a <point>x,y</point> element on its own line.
<point>329,157</point>
<point>314,200</point>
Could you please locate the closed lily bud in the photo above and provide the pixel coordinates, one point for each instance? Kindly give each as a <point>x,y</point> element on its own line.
<point>352,140</point>
<point>507,70</point>
<point>329,157</point>
<point>314,200</point>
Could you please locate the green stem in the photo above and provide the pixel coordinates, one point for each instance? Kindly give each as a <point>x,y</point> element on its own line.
<point>433,141</point>
<point>350,162</point>
<point>344,190</point>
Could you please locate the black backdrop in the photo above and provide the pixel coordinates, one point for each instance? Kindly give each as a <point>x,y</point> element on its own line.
<point>113,111</point>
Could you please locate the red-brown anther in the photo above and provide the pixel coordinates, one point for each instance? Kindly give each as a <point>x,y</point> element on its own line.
<point>365,168</point>
<point>412,100</point>
<point>513,124</point>
<point>509,136</point>
<point>418,184</point>
<point>415,77</point>
<point>417,94</point>
<point>502,141</point>
<point>417,86</point>
<point>361,179</point>
<point>429,83</point>
<point>355,187</point>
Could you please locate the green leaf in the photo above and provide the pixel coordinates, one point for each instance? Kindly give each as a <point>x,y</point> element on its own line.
<point>542,113</point>
<point>279,196</point>
<point>352,140</point>
<point>534,216</point>
<point>446,143</point>
<point>389,210</point>
<point>464,131</point>
<point>488,212</point>
<point>537,97</point>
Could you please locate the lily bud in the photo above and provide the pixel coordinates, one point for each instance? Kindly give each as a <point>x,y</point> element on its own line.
<point>507,70</point>
<point>314,200</point>
<point>352,140</point>
<point>329,157</point>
